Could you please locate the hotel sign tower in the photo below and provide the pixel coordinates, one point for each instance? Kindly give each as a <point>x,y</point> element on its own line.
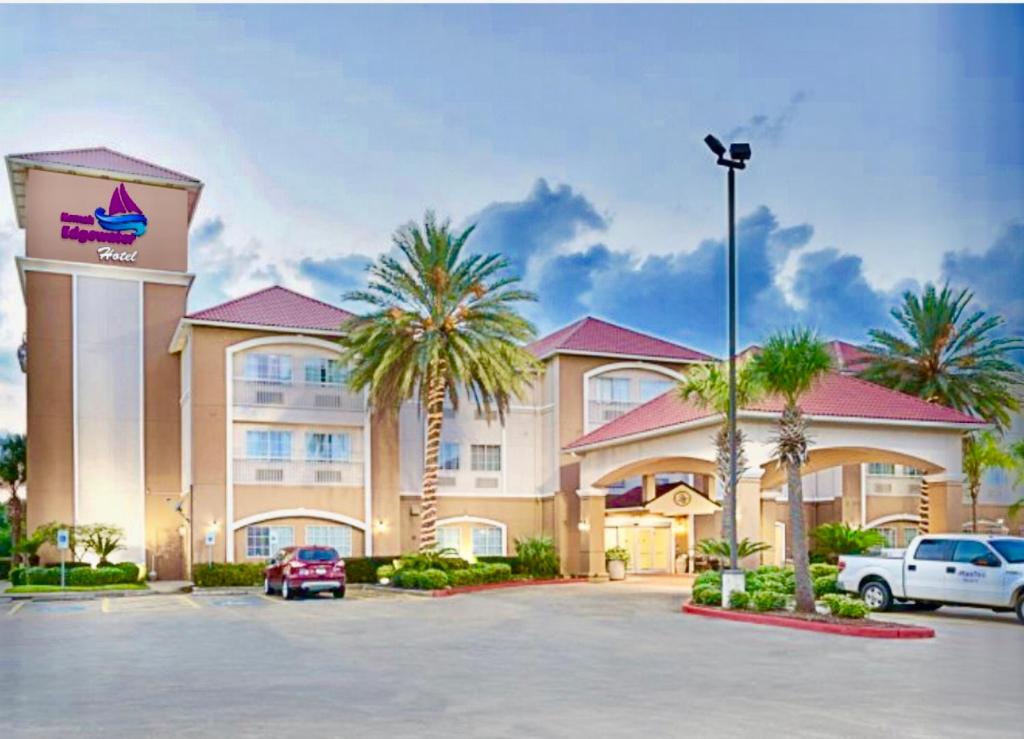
<point>105,279</point>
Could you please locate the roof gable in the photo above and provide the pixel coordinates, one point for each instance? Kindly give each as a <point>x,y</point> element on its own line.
<point>594,336</point>
<point>278,307</point>
<point>835,395</point>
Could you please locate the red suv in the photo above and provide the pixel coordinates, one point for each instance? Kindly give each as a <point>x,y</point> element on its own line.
<point>312,569</point>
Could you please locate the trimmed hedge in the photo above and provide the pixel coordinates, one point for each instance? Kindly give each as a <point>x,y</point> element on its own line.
<point>826,584</point>
<point>228,574</point>
<point>766,600</point>
<point>739,599</point>
<point>364,569</point>
<point>431,579</point>
<point>844,606</point>
<point>79,576</point>
<point>513,562</point>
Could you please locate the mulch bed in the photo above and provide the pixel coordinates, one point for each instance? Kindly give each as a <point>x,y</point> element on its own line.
<point>816,622</point>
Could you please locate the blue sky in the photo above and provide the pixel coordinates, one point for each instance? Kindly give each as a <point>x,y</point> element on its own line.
<point>886,148</point>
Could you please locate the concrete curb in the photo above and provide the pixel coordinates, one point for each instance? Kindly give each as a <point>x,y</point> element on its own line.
<point>448,592</point>
<point>767,619</point>
<point>80,595</point>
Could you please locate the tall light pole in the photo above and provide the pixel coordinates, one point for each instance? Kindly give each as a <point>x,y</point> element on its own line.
<point>738,156</point>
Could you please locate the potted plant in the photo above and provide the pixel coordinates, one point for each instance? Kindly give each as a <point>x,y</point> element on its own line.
<point>617,558</point>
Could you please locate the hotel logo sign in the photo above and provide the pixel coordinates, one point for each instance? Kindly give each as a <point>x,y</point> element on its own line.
<point>120,224</point>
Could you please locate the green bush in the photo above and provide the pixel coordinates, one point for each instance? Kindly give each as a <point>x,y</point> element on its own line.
<point>513,562</point>
<point>843,606</point>
<point>100,576</point>
<point>825,584</point>
<point>130,569</point>
<point>228,574</point>
<point>385,572</point>
<point>5,569</point>
<point>707,595</point>
<point>767,600</point>
<point>708,577</point>
<point>767,569</point>
<point>538,556</point>
<point>430,579</point>
<point>739,599</point>
<point>68,565</point>
<point>35,576</point>
<point>462,578</point>
<point>822,570</point>
<point>364,569</point>
<point>444,560</point>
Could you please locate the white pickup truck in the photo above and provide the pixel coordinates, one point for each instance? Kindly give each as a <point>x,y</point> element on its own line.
<point>942,569</point>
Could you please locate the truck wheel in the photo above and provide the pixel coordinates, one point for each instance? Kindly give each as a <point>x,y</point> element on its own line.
<point>877,595</point>
<point>1019,608</point>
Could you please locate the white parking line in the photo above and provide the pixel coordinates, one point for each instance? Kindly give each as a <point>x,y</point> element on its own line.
<point>17,607</point>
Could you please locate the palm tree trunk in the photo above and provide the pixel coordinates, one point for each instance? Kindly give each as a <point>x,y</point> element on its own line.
<point>974,508</point>
<point>801,559</point>
<point>435,419</point>
<point>16,519</point>
<point>728,495</point>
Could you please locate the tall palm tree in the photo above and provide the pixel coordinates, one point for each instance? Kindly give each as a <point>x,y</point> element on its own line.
<point>789,365</point>
<point>441,322</point>
<point>707,385</point>
<point>982,452</point>
<point>947,352</point>
<point>1017,456</point>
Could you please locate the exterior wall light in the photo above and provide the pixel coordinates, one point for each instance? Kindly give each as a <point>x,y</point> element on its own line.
<point>380,525</point>
<point>583,525</point>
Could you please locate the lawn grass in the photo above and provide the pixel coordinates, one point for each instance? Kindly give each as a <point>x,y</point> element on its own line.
<point>76,588</point>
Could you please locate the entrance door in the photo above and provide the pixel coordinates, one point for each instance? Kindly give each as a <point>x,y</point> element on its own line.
<point>645,549</point>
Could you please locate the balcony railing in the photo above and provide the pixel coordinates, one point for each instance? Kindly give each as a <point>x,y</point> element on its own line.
<point>603,411</point>
<point>322,396</point>
<point>295,472</point>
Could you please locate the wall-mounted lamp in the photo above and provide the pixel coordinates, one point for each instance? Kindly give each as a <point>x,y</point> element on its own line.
<point>583,525</point>
<point>380,525</point>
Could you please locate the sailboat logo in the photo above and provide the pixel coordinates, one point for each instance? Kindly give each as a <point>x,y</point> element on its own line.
<point>123,214</point>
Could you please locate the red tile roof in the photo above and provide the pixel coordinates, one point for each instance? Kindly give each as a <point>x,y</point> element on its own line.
<point>276,306</point>
<point>835,395</point>
<point>594,336</point>
<point>848,357</point>
<point>634,497</point>
<point>100,157</point>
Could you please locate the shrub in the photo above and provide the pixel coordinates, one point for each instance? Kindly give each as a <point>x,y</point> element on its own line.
<point>832,539</point>
<point>495,572</point>
<point>513,562</point>
<point>444,560</point>
<point>708,577</point>
<point>130,569</point>
<point>767,600</point>
<point>462,578</point>
<point>821,570</point>
<point>385,573</point>
<point>429,579</point>
<point>844,606</point>
<point>364,569</point>
<point>68,565</point>
<point>721,549</point>
<point>825,584</point>
<point>228,574</point>
<point>100,576</point>
<point>5,569</point>
<point>767,569</point>
<point>707,595</point>
<point>739,599</point>
<point>538,556</point>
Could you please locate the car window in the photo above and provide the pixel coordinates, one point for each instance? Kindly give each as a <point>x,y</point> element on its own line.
<point>934,549</point>
<point>968,551</point>
<point>1011,549</point>
<point>317,555</point>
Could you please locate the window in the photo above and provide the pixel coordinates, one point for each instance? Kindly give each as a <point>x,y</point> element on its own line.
<point>449,537</point>
<point>968,551</point>
<point>650,389</point>
<point>268,367</point>
<point>260,541</point>
<point>485,457</point>
<point>321,370</point>
<point>334,447</point>
<point>449,455</point>
<point>890,536</point>
<point>912,471</point>
<point>934,550</point>
<point>487,541</point>
<point>268,444</point>
<point>317,555</point>
<point>1011,549</point>
<point>881,468</point>
<point>339,537</point>
<point>612,389</point>
<point>909,534</point>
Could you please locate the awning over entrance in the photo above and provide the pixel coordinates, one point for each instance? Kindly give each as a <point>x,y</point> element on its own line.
<point>682,500</point>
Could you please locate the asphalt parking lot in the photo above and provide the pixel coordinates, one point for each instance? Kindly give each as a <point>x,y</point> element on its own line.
<point>556,661</point>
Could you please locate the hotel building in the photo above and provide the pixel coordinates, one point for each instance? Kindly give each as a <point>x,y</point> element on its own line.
<point>221,434</point>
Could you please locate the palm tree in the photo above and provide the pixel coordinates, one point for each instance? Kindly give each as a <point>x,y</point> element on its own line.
<point>789,365</point>
<point>982,452</point>
<point>948,353</point>
<point>708,386</point>
<point>12,477</point>
<point>1017,453</point>
<point>440,321</point>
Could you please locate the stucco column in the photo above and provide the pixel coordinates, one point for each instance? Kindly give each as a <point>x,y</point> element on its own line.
<point>748,515</point>
<point>592,562</point>
<point>851,513</point>
<point>385,524</point>
<point>946,510</point>
<point>567,531</point>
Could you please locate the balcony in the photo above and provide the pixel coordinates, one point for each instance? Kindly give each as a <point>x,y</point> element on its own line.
<point>601,412</point>
<point>297,472</point>
<point>271,400</point>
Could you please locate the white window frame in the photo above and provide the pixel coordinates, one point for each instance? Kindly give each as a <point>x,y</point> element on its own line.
<point>323,367</point>
<point>448,531</point>
<point>275,368</point>
<point>319,535</point>
<point>268,445</point>
<point>485,457</point>
<point>272,547</point>
<point>444,462</point>
<point>489,531</point>
<point>644,397</point>
<point>338,446</point>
